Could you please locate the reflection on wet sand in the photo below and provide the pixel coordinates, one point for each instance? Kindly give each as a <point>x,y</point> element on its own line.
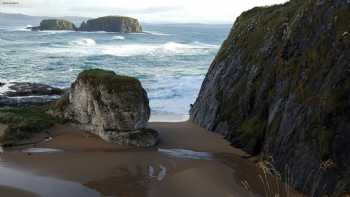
<point>13,192</point>
<point>42,186</point>
<point>207,166</point>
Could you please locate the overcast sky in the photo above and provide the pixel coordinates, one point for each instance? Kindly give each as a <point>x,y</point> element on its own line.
<point>205,11</point>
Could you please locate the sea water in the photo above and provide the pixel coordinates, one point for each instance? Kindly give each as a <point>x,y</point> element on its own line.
<point>170,60</point>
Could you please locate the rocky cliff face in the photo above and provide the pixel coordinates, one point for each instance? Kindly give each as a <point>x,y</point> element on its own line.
<point>280,87</point>
<point>55,24</point>
<point>112,24</point>
<point>111,106</point>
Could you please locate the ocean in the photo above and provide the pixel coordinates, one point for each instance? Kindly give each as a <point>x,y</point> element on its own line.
<point>170,60</point>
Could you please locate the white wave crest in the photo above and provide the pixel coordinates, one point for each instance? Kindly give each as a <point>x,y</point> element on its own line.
<point>52,32</point>
<point>5,87</point>
<point>88,47</point>
<point>84,42</point>
<point>118,38</point>
<point>167,49</point>
<point>155,33</point>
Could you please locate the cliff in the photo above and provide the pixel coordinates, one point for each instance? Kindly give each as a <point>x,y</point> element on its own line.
<point>55,24</point>
<point>280,88</point>
<point>112,24</point>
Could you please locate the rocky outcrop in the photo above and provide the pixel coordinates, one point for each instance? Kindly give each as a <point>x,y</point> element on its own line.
<point>280,87</point>
<point>113,107</point>
<point>22,94</point>
<point>55,25</point>
<point>112,24</point>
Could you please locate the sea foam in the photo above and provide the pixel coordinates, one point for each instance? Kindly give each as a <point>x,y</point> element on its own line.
<point>155,33</point>
<point>84,42</point>
<point>118,38</point>
<point>166,49</point>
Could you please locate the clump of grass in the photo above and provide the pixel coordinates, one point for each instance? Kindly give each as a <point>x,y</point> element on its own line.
<point>274,185</point>
<point>24,123</point>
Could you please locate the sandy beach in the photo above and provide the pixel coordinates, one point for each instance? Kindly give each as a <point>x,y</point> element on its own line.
<point>189,161</point>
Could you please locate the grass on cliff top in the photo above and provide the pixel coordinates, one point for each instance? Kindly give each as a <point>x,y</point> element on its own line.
<point>24,122</point>
<point>113,18</point>
<point>109,79</point>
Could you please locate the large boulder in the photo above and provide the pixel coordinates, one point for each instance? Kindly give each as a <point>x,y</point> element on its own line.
<point>55,25</point>
<point>112,24</point>
<point>114,107</point>
<point>280,88</point>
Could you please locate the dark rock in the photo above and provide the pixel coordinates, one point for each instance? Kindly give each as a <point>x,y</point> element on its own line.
<point>55,24</point>
<point>112,24</point>
<point>114,107</point>
<point>20,94</point>
<point>280,87</point>
<point>31,89</point>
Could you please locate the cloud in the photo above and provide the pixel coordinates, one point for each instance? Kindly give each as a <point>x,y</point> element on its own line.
<point>145,10</point>
<point>116,10</point>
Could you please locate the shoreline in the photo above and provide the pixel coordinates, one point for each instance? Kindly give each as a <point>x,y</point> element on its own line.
<point>186,154</point>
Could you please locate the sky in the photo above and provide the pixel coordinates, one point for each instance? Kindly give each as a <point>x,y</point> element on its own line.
<point>181,11</point>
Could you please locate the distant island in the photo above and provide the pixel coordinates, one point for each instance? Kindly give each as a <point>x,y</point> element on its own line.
<point>55,24</point>
<point>108,23</point>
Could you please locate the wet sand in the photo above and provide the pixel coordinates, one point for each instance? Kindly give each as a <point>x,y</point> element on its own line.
<point>9,191</point>
<point>189,161</point>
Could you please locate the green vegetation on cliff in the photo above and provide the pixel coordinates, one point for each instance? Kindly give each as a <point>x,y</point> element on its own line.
<point>23,123</point>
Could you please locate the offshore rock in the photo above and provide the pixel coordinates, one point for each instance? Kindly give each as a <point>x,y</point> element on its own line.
<point>120,24</point>
<point>55,25</point>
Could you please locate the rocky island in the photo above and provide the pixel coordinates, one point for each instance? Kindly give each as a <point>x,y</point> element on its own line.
<point>55,25</point>
<point>112,24</point>
<point>280,88</point>
<point>119,24</point>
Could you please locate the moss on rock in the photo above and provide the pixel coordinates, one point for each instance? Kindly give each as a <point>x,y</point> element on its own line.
<point>109,79</point>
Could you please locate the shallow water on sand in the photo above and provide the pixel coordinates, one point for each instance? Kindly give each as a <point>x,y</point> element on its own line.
<point>42,186</point>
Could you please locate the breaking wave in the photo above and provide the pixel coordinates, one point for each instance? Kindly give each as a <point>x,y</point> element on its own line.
<point>167,49</point>
<point>118,38</point>
<point>155,33</point>
<point>88,47</point>
<point>84,42</point>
